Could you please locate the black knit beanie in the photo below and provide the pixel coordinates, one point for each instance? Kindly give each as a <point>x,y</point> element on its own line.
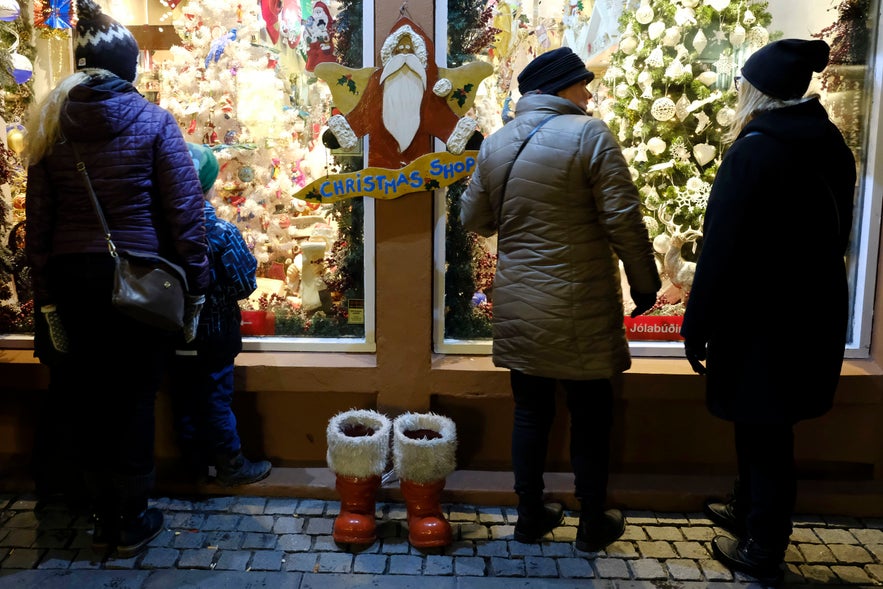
<point>553,71</point>
<point>104,43</point>
<point>783,69</point>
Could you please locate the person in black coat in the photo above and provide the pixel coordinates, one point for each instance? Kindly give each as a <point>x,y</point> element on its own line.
<point>777,224</point>
<point>201,381</point>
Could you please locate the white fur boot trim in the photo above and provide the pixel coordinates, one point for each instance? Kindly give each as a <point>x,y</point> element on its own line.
<point>426,459</point>
<point>358,455</point>
<point>461,134</point>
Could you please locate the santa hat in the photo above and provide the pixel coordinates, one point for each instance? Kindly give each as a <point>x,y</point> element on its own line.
<point>783,69</point>
<point>104,43</point>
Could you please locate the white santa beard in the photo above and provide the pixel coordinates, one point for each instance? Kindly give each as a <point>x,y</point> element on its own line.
<point>403,91</point>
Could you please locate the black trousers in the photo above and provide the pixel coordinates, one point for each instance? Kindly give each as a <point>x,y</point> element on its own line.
<point>590,403</point>
<point>767,481</point>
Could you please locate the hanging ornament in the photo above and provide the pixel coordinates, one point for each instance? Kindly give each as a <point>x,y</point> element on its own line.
<point>52,17</point>
<point>704,153</point>
<point>737,36</point>
<point>628,45</point>
<point>645,82</point>
<point>656,146</point>
<point>621,91</point>
<point>708,78</point>
<point>656,58</point>
<point>663,109</point>
<point>634,104</point>
<point>758,36</point>
<point>725,65</point>
<point>9,10</point>
<point>702,121</point>
<point>230,137</point>
<point>681,107</point>
<point>631,76</point>
<point>641,152</point>
<point>20,67</point>
<point>655,30</point>
<point>644,14</point>
<point>725,116</point>
<point>700,41</point>
<point>671,37</point>
<point>674,70</point>
<point>15,138</point>
<point>685,16</point>
<point>629,154</point>
<point>748,18</point>
<point>612,73</point>
<point>191,129</point>
<point>245,174</point>
<point>718,5</point>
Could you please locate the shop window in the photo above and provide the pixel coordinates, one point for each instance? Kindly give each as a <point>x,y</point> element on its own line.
<point>239,79</point>
<point>664,84</point>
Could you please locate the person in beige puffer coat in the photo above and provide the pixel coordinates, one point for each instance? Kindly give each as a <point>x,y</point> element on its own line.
<point>555,188</point>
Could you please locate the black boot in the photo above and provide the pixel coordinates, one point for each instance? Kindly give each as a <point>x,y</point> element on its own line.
<point>728,513</point>
<point>747,556</point>
<point>138,524</point>
<point>236,469</point>
<point>536,519</point>
<point>597,530</point>
<point>104,510</point>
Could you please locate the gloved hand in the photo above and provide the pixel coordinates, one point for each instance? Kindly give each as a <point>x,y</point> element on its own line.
<point>329,140</point>
<point>475,141</point>
<point>695,354</point>
<point>57,334</point>
<point>192,308</point>
<point>643,302</point>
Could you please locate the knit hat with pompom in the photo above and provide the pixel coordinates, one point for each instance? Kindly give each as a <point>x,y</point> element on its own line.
<point>104,43</point>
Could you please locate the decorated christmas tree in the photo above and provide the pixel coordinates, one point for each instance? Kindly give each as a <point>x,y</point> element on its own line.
<point>251,99</point>
<point>668,96</point>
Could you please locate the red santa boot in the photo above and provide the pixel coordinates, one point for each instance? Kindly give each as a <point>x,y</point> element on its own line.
<point>358,451</point>
<point>424,451</point>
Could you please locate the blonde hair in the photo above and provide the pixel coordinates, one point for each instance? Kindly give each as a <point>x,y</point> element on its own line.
<point>751,102</point>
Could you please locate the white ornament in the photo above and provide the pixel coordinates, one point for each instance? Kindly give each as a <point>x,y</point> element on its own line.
<point>612,73</point>
<point>708,78</point>
<point>631,75</point>
<point>700,41</point>
<point>758,36</point>
<point>704,153</point>
<point>674,70</point>
<point>681,107</point>
<point>621,90</point>
<point>641,155</point>
<point>725,116</point>
<point>671,37</point>
<point>661,243</point>
<point>685,16</point>
<point>656,145</point>
<point>656,58</point>
<point>703,119</point>
<point>655,30</point>
<point>628,45</point>
<point>748,18</point>
<point>718,5</point>
<point>645,78</point>
<point>629,154</point>
<point>634,104</point>
<point>663,109</point>
<point>737,36</point>
<point>644,13</point>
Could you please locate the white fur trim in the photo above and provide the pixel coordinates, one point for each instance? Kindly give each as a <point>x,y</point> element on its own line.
<point>443,87</point>
<point>342,131</point>
<point>424,461</point>
<point>456,143</point>
<point>362,456</point>
<point>417,42</point>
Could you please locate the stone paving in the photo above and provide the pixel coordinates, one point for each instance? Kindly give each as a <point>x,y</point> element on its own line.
<point>246,534</point>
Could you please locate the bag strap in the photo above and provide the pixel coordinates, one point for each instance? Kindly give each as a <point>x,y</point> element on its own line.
<point>84,175</point>
<point>517,153</point>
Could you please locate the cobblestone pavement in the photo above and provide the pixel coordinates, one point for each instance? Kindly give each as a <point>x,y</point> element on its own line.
<point>247,541</point>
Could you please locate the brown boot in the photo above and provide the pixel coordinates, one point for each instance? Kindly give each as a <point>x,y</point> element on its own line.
<point>424,446</point>
<point>358,451</point>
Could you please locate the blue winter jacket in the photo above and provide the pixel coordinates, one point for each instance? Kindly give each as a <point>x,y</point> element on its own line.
<point>141,172</point>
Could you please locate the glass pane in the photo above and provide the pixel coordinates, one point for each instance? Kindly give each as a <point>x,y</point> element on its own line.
<point>665,85</point>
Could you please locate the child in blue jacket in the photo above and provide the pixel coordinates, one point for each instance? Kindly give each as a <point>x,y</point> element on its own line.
<point>202,371</point>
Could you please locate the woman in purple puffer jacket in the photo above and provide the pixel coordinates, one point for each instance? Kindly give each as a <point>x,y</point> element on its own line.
<point>105,372</point>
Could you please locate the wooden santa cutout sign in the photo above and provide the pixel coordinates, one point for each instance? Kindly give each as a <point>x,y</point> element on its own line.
<point>404,103</point>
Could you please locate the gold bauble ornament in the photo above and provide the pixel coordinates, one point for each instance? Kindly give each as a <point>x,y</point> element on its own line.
<point>15,140</point>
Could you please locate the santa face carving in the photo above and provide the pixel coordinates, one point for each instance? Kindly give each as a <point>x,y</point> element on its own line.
<point>404,85</point>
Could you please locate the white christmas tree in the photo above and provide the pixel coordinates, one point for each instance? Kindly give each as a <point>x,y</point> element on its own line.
<point>668,95</point>
<point>231,88</point>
